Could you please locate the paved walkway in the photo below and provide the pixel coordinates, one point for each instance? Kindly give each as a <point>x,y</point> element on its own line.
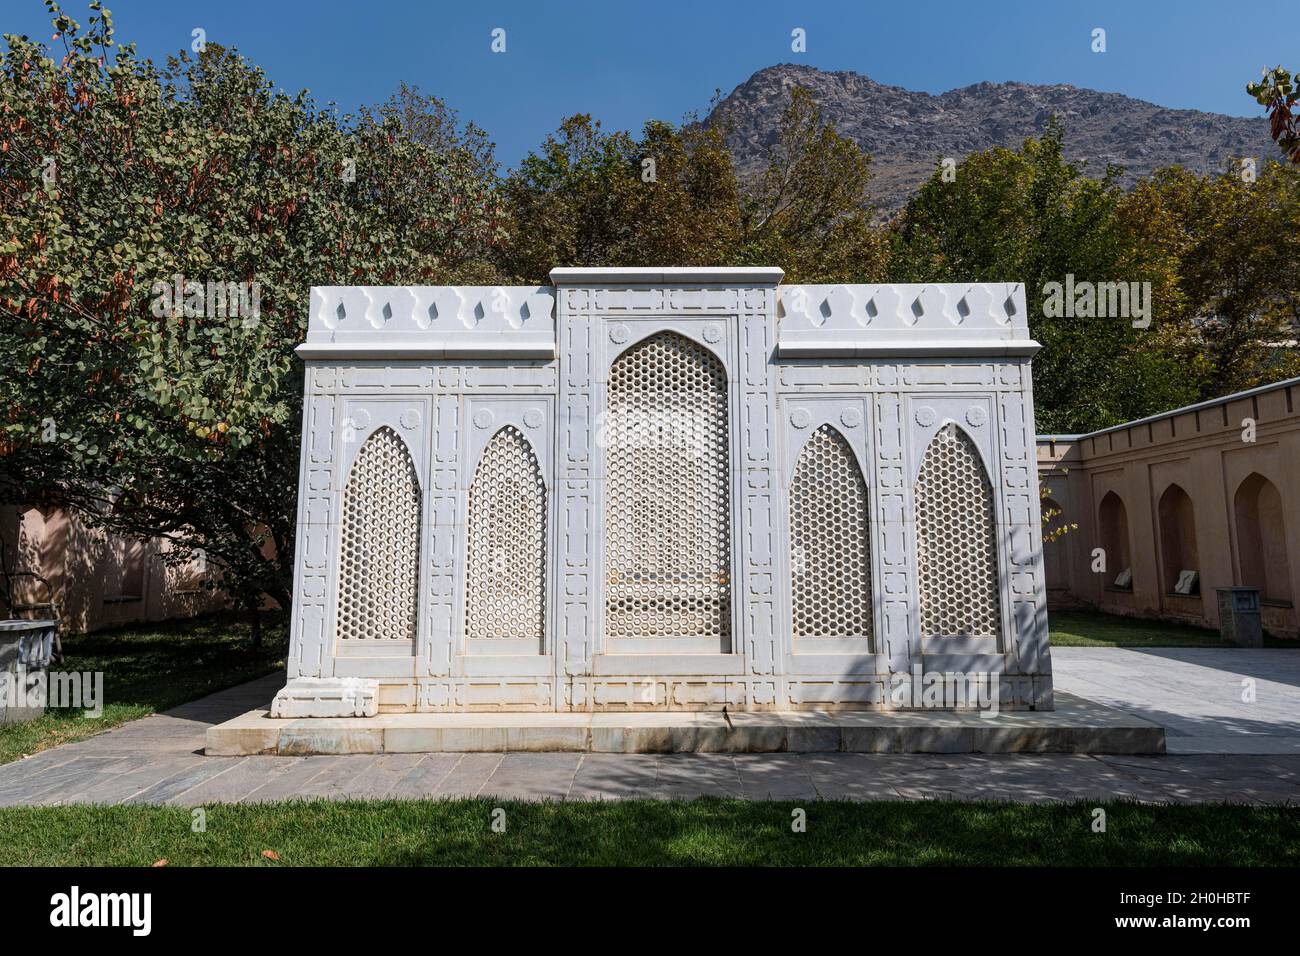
<point>1221,749</point>
<point>1198,694</point>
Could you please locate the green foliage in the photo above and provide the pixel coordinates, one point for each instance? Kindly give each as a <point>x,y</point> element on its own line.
<point>810,211</point>
<point>1030,216</point>
<point>595,198</point>
<point>1235,242</point>
<point>671,197</point>
<point>119,180</point>
<point>1279,93</point>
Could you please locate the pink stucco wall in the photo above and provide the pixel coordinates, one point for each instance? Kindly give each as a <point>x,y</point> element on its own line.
<point>98,580</point>
<point>1238,525</point>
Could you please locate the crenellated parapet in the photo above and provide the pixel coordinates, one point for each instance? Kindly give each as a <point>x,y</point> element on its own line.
<point>430,322</point>
<point>826,321</point>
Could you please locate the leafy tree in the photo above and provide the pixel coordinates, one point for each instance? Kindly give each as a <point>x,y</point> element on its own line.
<point>429,121</point>
<point>810,210</point>
<point>594,198</point>
<point>1236,243</point>
<point>671,197</point>
<point>169,415</point>
<point>1029,216</point>
<point>1279,93</point>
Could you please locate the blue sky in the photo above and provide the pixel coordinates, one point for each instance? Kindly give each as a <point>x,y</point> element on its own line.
<point>625,62</point>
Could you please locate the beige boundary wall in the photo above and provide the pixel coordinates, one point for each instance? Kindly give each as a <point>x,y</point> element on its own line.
<point>1208,488</point>
<point>98,580</point>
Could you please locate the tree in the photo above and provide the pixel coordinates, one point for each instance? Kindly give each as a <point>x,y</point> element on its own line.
<point>429,121</point>
<point>671,197</point>
<point>1279,93</point>
<point>810,210</point>
<point>1029,216</point>
<point>594,198</point>
<point>136,204</point>
<point>1236,242</point>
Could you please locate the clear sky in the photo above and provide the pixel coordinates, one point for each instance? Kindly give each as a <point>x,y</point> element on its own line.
<point>625,62</point>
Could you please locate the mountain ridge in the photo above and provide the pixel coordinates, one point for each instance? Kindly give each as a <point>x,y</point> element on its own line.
<point>908,131</point>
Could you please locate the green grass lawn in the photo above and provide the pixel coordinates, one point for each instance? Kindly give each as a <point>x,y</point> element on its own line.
<point>1095,629</point>
<point>152,667</point>
<point>709,831</point>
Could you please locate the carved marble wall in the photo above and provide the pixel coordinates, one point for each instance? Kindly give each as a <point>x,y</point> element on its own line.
<point>885,367</point>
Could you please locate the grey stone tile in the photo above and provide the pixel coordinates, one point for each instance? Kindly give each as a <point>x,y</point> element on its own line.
<point>240,777</point>
<point>469,775</point>
<point>383,775</point>
<point>48,785</point>
<point>858,776</point>
<point>532,776</point>
<point>125,786</point>
<point>614,776</point>
<point>287,776</point>
<point>685,776</point>
<point>205,770</point>
<point>422,780</point>
<point>335,780</point>
<point>774,777</point>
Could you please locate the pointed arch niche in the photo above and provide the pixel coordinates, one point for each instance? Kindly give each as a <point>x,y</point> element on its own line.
<point>379,557</point>
<point>1178,551</point>
<point>505,576</point>
<point>668,498</point>
<point>956,538</point>
<point>1112,522</point>
<point>830,549</point>
<point>1261,539</point>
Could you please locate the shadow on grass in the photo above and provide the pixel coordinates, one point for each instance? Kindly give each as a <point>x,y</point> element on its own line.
<point>708,831</point>
<point>168,663</point>
<point>1075,628</point>
<point>149,668</point>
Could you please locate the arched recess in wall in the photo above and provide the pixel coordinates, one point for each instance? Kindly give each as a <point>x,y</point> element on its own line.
<point>40,543</point>
<point>1112,521</point>
<point>1261,538</point>
<point>830,546</point>
<point>379,553</point>
<point>1178,551</point>
<point>667,493</point>
<point>127,558</point>
<point>956,537</point>
<point>505,560</point>
<point>1054,557</point>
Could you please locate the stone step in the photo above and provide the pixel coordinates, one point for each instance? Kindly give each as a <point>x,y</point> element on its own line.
<point>1075,726</point>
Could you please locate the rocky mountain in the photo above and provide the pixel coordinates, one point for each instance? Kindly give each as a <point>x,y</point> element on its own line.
<point>907,132</point>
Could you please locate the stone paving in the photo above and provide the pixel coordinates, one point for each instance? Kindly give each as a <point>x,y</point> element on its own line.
<point>1221,749</point>
<point>1195,693</point>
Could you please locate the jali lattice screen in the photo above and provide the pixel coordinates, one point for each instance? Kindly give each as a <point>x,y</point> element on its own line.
<point>667,500</point>
<point>956,541</point>
<point>505,577</point>
<point>829,545</point>
<point>379,561</point>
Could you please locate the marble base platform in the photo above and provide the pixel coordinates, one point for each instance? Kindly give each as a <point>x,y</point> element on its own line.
<point>1075,726</point>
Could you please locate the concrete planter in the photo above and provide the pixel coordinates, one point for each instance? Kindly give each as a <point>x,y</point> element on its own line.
<point>26,650</point>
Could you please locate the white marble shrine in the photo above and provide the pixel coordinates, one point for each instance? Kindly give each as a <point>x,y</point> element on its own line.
<point>664,489</point>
